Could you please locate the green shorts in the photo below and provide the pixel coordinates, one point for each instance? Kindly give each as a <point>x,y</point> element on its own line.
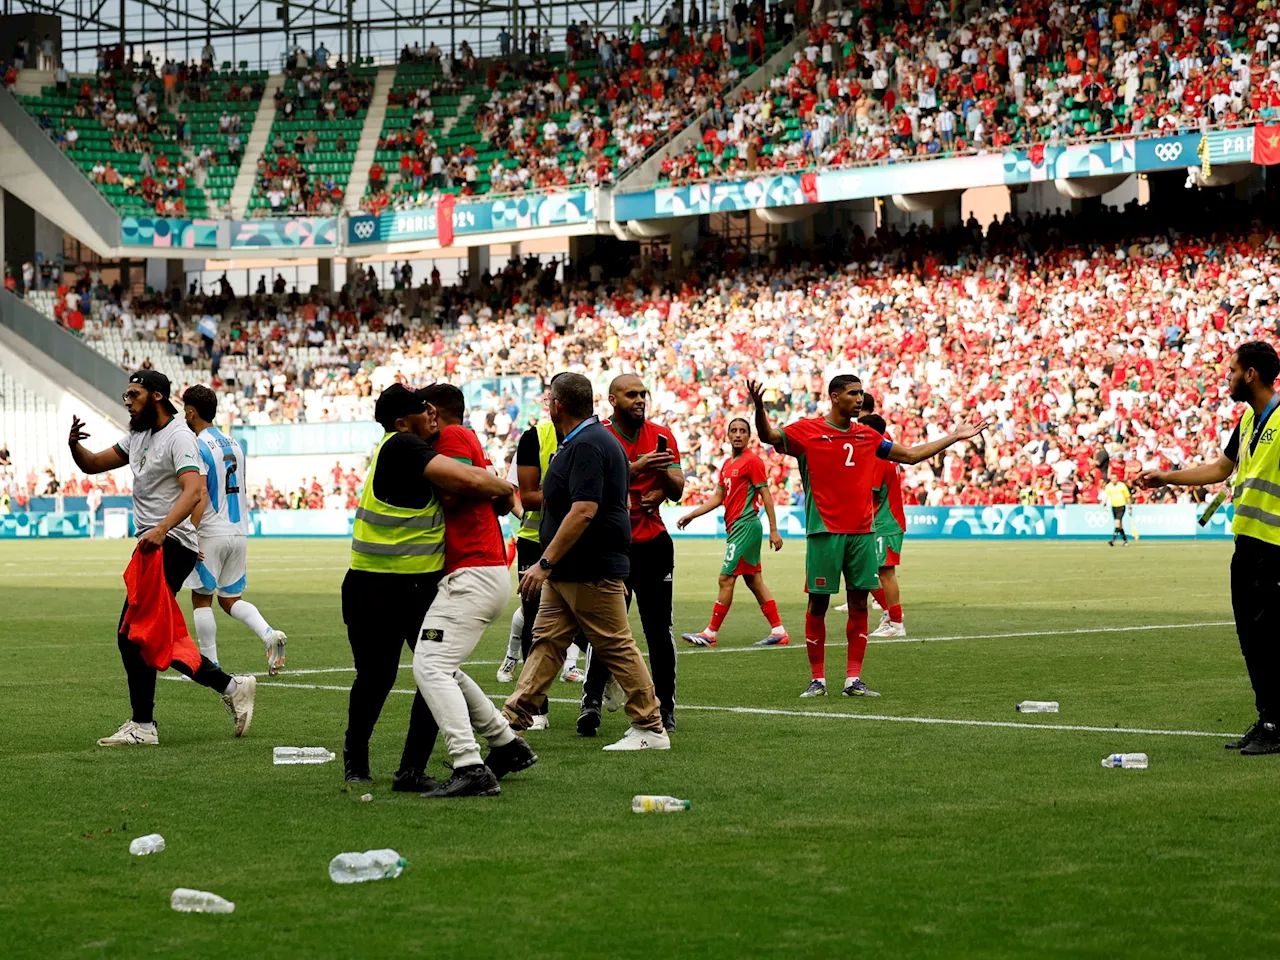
<point>888,549</point>
<point>742,552</point>
<point>828,556</point>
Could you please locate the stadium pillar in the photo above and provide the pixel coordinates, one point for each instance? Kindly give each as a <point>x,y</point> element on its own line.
<point>3,262</point>
<point>477,264</point>
<point>324,274</point>
<point>176,274</point>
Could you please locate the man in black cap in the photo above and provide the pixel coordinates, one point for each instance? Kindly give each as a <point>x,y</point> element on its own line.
<point>168,484</point>
<point>397,563</point>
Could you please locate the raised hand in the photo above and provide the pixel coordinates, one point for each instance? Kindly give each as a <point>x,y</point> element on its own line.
<point>77,432</point>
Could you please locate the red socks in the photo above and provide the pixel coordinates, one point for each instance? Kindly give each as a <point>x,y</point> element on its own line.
<point>770,611</point>
<point>881,598</point>
<point>815,644</point>
<point>856,631</point>
<point>895,613</point>
<point>718,613</point>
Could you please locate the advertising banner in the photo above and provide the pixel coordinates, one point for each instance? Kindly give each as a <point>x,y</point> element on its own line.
<point>290,232</point>
<point>165,232</point>
<point>486,216</point>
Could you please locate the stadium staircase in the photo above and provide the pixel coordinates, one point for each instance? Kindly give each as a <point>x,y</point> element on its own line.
<point>369,135</point>
<point>255,146</point>
<point>648,173</point>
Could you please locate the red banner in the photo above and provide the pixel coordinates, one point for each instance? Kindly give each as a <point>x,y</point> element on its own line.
<point>444,220</point>
<point>1266,145</point>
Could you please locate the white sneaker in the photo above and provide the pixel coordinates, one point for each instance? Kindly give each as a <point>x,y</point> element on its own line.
<point>637,738</point>
<point>507,672</point>
<point>573,675</point>
<point>614,698</point>
<point>240,703</point>
<point>132,734</point>
<point>275,651</point>
<point>843,608</point>
<point>884,620</point>
<point>540,722</point>
<point>890,629</point>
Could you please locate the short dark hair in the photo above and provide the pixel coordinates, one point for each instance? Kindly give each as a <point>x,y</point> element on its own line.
<point>841,382</point>
<point>203,400</point>
<point>741,420</point>
<point>1260,356</point>
<point>446,398</point>
<point>874,421</point>
<point>869,404</point>
<point>573,392</point>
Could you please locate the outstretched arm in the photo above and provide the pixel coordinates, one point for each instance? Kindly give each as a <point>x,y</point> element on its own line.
<point>923,451</point>
<point>468,481</point>
<point>88,462</point>
<point>1197,476</point>
<point>767,432</point>
<point>717,498</point>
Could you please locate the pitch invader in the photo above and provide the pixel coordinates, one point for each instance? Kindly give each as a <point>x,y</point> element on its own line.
<point>742,488</point>
<point>223,533</point>
<point>889,526</point>
<point>837,458</point>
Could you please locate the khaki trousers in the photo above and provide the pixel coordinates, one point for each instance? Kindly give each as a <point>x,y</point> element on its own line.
<point>599,610</point>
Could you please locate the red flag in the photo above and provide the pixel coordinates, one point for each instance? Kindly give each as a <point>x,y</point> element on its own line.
<point>1036,154</point>
<point>444,220</point>
<point>1266,145</point>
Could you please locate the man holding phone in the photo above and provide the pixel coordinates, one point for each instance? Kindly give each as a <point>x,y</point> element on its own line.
<point>656,477</point>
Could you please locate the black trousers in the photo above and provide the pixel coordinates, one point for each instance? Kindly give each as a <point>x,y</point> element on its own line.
<point>1255,599</point>
<point>650,583</point>
<point>383,612</point>
<point>178,564</point>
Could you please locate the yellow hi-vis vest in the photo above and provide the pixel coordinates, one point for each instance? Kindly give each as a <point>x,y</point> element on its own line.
<point>389,539</point>
<point>1257,490</point>
<point>547,443</point>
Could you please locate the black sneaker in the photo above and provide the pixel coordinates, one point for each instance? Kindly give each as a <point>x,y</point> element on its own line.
<point>412,781</point>
<point>589,720</point>
<point>510,758</point>
<point>355,765</point>
<point>475,780</point>
<point>1266,739</point>
<point>1249,736</point>
<point>669,722</point>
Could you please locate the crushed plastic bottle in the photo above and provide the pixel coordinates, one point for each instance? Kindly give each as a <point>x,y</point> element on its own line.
<point>645,804</point>
<point>1126,761</point>
<point>301,755</point>
<point>151,843</point>
<point>1037,706</point>
<point>370,865</point>
<point>185,900</point>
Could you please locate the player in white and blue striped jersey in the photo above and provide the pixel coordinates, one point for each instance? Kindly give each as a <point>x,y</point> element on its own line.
<point>223,532</point>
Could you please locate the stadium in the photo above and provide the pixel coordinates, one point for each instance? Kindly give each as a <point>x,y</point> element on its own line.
<point>961,313</point>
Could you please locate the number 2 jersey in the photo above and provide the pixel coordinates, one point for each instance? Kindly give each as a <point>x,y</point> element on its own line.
<point>838,469</point>
<point>227,514</point>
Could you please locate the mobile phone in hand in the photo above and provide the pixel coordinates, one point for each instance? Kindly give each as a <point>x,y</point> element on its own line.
<point>662,443</point>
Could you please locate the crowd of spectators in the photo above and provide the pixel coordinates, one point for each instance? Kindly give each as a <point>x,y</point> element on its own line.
<point>1094,344</point>
<point>925,82</point>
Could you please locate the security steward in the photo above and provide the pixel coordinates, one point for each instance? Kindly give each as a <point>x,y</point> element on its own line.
<point>1253,454</point>
<point>397,563</point>
<point>531,467</point>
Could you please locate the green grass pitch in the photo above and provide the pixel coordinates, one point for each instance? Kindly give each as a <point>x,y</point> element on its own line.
<point>819,827</point>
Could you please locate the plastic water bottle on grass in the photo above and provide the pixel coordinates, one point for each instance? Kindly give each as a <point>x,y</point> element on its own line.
<point>301,755</point>
<point>1037,706</point>
<point>645,804</point>
<point>185,900</point>
<point>151,843</point>
<point>1126,761</point>
<point>370,865</point>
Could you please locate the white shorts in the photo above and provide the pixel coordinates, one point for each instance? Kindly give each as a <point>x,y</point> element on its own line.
<point>222,569</point>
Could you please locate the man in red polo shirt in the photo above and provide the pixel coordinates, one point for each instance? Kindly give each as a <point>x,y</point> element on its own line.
<point>474,591</point>
<point>655,478</point>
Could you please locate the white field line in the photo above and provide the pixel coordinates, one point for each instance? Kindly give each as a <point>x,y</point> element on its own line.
<point>799,646</point>
<point>831,715</point>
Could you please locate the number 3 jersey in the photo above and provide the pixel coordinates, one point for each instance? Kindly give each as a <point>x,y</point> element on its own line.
<point>227,514</point>
<point>837,468</point>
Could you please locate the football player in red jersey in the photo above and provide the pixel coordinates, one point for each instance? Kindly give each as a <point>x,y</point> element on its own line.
<point>837,457</point>
<point>742,485</point>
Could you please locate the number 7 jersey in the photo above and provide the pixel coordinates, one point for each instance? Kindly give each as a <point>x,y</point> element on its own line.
<point>227,514</point>
<point>837,468</point>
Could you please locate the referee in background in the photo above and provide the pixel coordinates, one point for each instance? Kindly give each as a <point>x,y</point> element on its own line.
<point>1253,454</point>
<point>397,563</point>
